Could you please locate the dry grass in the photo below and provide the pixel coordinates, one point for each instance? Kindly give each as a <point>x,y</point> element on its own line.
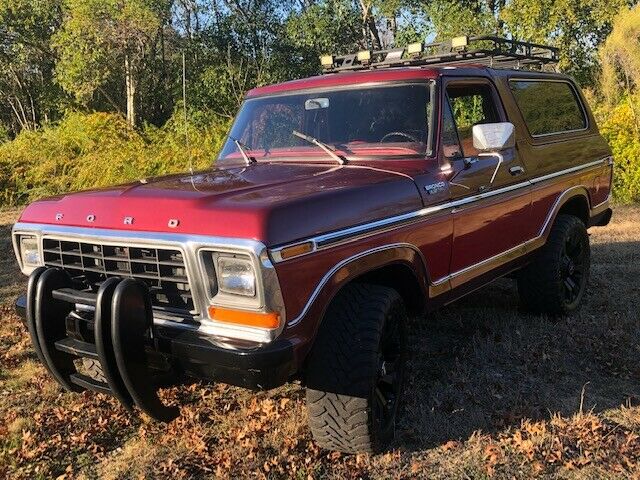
<point>492,393</point>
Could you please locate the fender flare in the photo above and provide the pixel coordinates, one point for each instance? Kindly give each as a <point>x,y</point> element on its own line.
<point>564,198</point>
<point>351,268</point>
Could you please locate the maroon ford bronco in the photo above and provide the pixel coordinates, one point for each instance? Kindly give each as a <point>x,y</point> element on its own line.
<point>340,205</point>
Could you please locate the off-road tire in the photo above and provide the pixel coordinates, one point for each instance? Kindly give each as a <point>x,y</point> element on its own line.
<point>93,369</point>
<point>346,369</point>
<point>541,284</point>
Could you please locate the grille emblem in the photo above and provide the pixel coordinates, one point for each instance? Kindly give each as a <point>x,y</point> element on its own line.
<point>59,216</point>
<point>173,223</point>
<point>91,218</point>
<point>128,220</point>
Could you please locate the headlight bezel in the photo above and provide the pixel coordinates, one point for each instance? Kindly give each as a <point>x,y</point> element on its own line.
<point>267,299</point>
<point>208,258</point>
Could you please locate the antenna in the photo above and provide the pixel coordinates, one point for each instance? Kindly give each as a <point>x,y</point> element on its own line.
<point>184,106</point>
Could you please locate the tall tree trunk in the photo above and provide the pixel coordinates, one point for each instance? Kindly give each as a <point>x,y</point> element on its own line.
<point>369,27</point>
<point>392,24</point>
<point>130,83</point>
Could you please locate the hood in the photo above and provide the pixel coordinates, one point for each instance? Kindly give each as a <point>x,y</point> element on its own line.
<point>273,203</point>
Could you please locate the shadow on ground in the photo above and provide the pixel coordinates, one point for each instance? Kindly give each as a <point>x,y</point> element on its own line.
<point>480,364</point>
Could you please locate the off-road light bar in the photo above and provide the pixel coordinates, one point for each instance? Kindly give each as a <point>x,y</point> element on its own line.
<point>414,49</point>
<point>326,61</point>
<point>488,50</point>
<point>364,56</point>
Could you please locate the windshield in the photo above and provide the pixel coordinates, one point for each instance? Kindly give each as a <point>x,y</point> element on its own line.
<point>389,121</point>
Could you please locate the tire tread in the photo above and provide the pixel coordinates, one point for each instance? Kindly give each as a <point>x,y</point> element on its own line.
<point>343,362</point>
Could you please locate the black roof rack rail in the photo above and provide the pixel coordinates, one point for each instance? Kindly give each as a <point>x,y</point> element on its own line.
<point>487,50</point>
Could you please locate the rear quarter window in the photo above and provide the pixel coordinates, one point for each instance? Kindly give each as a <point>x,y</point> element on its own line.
<point>548,107</point>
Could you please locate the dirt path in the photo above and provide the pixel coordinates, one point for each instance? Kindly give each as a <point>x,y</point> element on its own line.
<point>492,392</point>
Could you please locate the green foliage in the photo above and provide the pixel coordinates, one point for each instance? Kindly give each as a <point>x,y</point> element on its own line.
<point>618,102</point>
<point>616,125</point>
<point>28,95</point>
<point>126,56</point>
<point>620,57</point>
<point>576,27</point>
<point>104,43</point>
<point>326,27</point>
<point>450,18</point>
<point>92,150</point>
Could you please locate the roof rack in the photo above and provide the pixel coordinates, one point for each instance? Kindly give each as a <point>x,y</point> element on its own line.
<point>488,50</point>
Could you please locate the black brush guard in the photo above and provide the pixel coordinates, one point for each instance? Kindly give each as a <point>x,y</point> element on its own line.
<point>136,356</point>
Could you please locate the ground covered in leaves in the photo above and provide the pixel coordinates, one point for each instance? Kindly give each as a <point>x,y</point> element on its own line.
<point>491,393</point>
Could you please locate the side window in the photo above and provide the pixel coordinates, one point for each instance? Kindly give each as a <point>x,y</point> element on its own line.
<point>548,106</point>
<point>471,105</point>
<point>450,143</point>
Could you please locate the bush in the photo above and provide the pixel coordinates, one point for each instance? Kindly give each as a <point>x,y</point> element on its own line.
<point>618,126</point>
<point>99,149</point>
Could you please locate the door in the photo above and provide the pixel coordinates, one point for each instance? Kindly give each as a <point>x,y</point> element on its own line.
<point>490,217</point>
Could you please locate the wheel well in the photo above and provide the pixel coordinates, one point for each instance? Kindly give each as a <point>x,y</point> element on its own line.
<point>402,279</point>
<point>577,206</point>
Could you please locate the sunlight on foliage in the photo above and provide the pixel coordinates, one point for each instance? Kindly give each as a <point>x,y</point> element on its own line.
<point>99,149</point>
<point>616,124</point>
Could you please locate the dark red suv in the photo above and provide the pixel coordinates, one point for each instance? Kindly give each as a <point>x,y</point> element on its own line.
<point>339,205</point>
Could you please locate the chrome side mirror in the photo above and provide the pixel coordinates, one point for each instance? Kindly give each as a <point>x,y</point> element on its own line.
<point>491,138</point>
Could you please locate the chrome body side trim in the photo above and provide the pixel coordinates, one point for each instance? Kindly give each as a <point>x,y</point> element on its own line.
<point>327,276</point>
<point>326,240</point>
<point>569,170</point>
<point>601,207</point>
<point>456,279</point>
<point>486,265</point>
<point>269,300</point>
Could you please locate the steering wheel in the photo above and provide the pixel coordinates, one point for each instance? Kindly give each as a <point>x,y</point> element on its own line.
<point>399,134</point>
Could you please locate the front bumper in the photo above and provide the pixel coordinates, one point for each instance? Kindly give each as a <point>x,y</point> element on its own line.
<point>136,355</point>
<point>260,368</point>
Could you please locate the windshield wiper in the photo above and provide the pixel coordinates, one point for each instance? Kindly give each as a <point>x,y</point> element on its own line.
<point>323,146</point>
<point>242,148</point>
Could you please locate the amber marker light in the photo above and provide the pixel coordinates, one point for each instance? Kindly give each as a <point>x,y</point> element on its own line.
<point>296,250</point>
<point>241,317</point>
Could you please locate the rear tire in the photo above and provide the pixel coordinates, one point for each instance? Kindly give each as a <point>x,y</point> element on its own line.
<point>555,281</point>
<point>355,370</point>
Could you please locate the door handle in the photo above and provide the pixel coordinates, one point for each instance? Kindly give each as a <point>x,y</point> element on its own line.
<point>516,170</point>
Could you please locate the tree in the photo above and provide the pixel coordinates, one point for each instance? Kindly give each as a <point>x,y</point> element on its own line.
<point>451,18</point>
<point>28,95</point>
<point>620,58</point>
<point>577,27</point>
<point>326,27</point>
<point>107,43</point>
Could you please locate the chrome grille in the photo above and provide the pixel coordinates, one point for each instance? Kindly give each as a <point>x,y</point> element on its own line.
<point>91,263</point>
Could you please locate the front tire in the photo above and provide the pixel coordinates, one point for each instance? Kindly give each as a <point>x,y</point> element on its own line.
<point>555,281</point>
<point>355,370</point>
